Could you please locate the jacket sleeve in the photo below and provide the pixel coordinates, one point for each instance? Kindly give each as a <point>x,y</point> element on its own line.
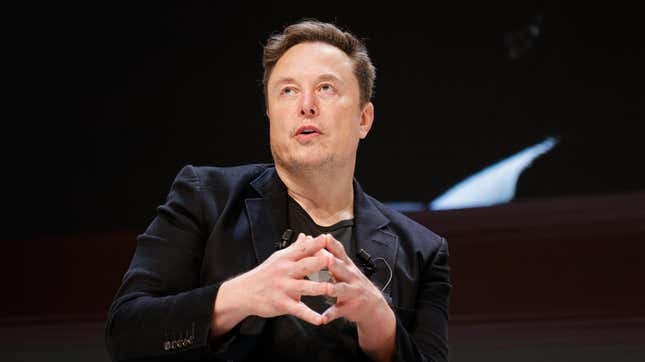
<point>161,312</point>
<point>426,338</point>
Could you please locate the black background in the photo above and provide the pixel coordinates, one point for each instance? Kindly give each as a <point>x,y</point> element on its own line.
<point>113,99</point>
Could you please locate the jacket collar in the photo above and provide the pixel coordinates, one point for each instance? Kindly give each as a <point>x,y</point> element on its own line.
<point>268,219</point>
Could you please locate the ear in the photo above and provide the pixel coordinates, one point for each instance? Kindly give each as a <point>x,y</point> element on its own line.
<point>268,115</point>
<point>367,118</point>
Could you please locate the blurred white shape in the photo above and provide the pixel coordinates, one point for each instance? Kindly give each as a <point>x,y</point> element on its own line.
<point>407,206</point>
<point>493,185</point>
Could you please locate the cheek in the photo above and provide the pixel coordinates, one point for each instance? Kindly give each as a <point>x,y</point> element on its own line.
<point>276,122</point>
<point>350,112</point>
<point>350,122</point>
<point>276,132</point>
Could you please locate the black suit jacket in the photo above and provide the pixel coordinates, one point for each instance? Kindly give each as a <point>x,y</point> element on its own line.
<point>220,222</point>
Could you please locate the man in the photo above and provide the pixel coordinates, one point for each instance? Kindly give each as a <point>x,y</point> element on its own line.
<point>360,281</point>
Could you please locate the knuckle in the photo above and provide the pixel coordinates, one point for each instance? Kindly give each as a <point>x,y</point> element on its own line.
<point>322,260</point>
<point>281,268</point>
<point>301,289</point>
<point>279,254</point>
<point>275,304</point>
<point>300,238</point>
<point>321,288</point>
<point>302,286</point>
<point>283,284</point>
<point>329,288</point>
<point>321,242</point>
<point>278,285</point>
<point>312,286</point>
<point>304,270</point>
<point>341,288</point>
<point>282,305</point>
<point>324,253</point>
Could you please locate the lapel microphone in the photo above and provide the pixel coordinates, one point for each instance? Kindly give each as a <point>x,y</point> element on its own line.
<point>284,241</point>
<point>366,262</point>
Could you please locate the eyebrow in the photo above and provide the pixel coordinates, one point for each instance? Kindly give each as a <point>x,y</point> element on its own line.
<point>322,77</point>
<point>283,80</point>
<point>329,77</point>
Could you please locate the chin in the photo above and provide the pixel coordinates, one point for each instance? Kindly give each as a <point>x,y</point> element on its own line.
<point>308,163</point>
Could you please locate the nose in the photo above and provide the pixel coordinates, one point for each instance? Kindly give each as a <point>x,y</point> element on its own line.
<point>308,107</point>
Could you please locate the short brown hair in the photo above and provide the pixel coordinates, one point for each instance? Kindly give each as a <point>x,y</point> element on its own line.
<point>314,30</point>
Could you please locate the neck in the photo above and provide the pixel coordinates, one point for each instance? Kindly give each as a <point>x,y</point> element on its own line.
<point>327,196</point>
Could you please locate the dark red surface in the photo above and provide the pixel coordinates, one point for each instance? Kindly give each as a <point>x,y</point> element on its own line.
<point>563,258</point>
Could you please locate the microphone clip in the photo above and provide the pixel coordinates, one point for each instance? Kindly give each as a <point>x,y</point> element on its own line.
<point>366,262</point>
<point>284,241</point>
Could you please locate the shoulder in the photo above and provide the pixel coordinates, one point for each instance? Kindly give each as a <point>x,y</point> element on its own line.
<point>224,177</point>
<point>411,234</point>
<point>222,185</point>
<point>207,190</point>
<point>404,222</point>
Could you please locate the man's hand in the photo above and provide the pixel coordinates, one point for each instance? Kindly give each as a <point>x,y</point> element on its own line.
<point>362,302</point>
<point>274,287</point>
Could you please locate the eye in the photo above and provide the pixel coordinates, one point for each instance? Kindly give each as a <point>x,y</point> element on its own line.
<point>327,88</point>
<point>288,91</point>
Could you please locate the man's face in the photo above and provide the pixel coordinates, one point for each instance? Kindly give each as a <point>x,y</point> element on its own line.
<point>314,108</point>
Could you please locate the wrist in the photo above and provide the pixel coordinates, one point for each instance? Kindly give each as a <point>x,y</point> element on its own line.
<point>377,335</point>
<point>228,310</point>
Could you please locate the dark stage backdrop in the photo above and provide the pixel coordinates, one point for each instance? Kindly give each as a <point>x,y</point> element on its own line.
<point>114,99</point>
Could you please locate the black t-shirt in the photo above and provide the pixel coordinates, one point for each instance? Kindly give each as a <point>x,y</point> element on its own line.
<point>289,338</point>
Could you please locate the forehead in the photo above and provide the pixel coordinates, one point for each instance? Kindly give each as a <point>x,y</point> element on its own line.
<point>312,59</point>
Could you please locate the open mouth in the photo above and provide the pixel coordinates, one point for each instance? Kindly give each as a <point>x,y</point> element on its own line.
<point>307,130</point>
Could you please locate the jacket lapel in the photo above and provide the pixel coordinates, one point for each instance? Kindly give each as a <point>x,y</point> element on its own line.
<point>267,214</point>
<point>374,236</point>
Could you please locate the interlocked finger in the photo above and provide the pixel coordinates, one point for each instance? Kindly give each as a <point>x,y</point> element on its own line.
<point>336,247</point>
<point>311,288</point>
<point>341,270</point>
<point>310,264</point>
<point>333,312</point>
<point>305,246</point>
<point>300,310</point>
<point>343,291</point>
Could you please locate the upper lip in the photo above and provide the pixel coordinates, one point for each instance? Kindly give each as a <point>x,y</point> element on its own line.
<point>305,128</point>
